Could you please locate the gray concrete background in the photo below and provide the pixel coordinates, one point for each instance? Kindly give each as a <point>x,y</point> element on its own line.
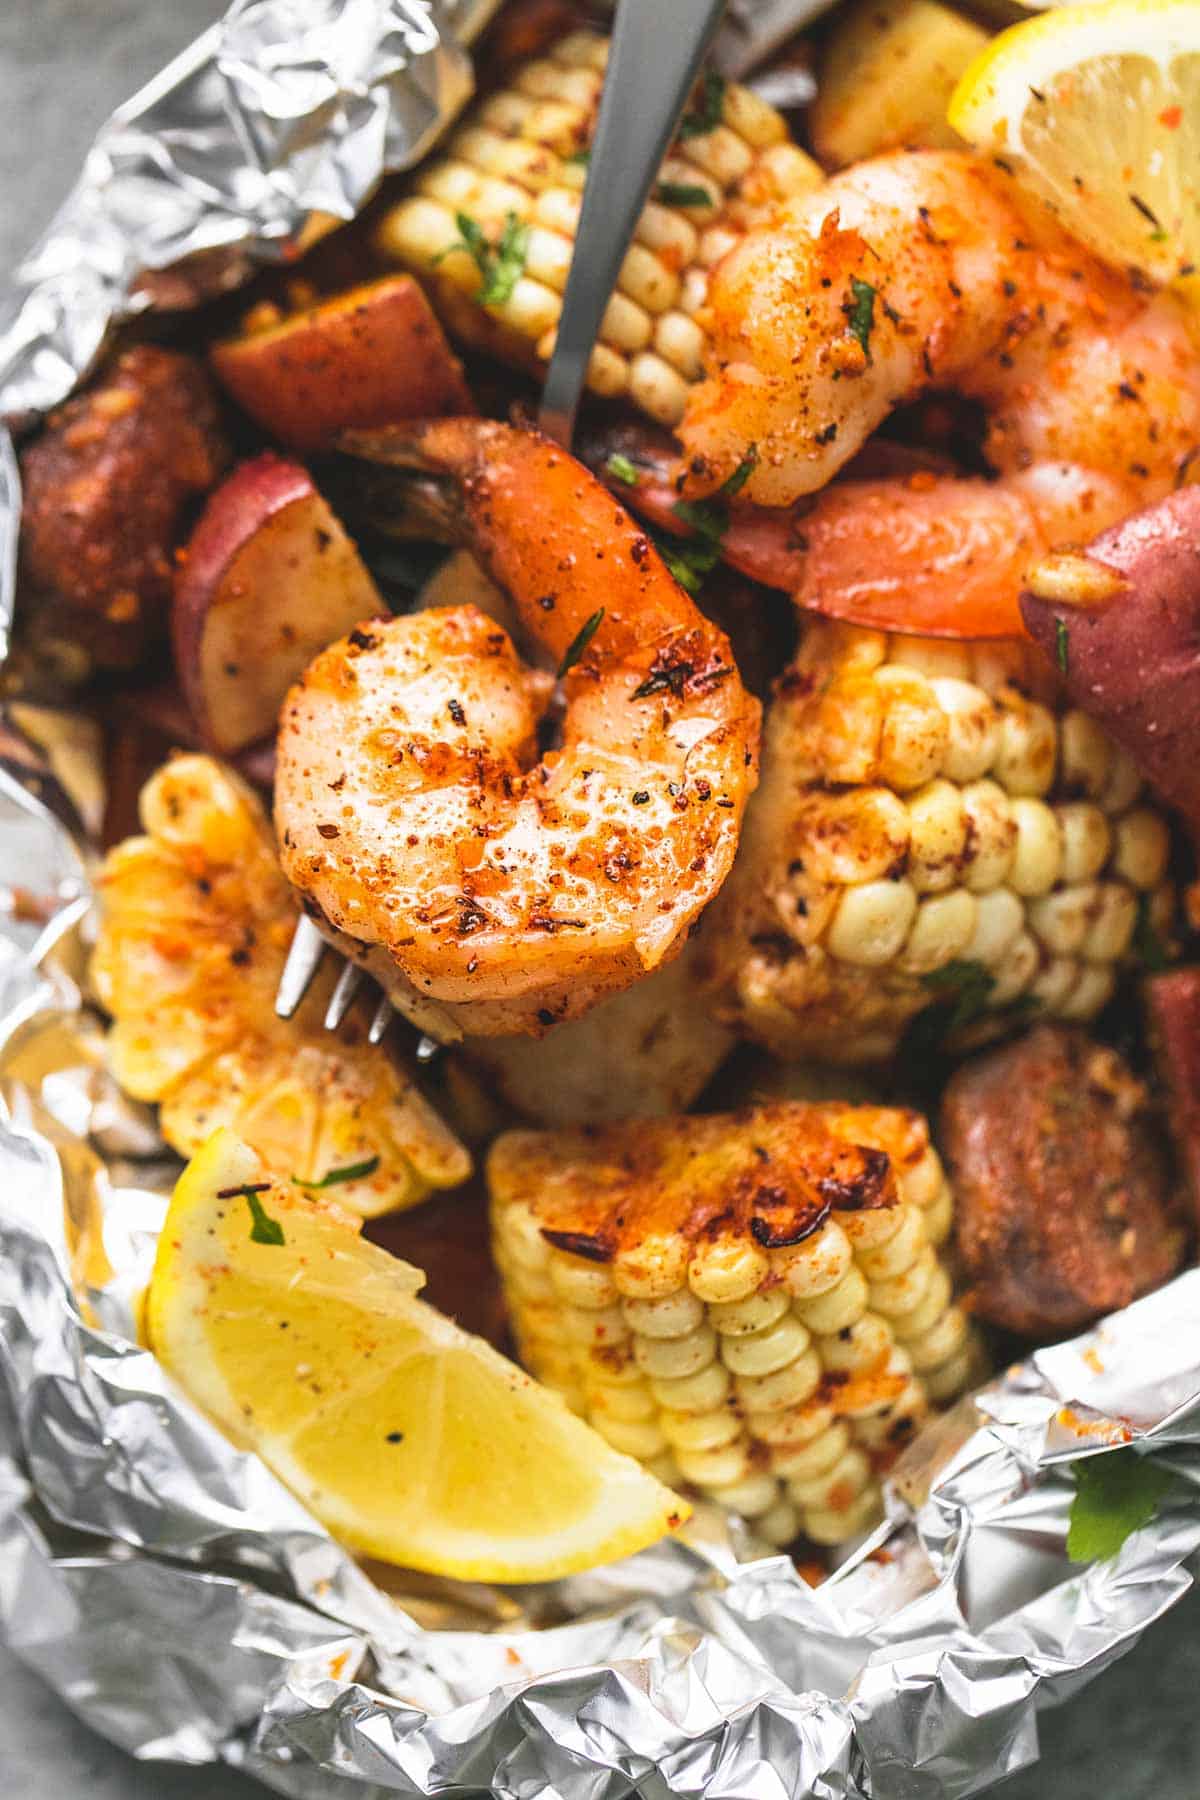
<point>1134,1734</point>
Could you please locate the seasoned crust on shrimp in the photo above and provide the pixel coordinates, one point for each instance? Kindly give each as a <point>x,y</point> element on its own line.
<point>413,809</point>
<point>927,269</point>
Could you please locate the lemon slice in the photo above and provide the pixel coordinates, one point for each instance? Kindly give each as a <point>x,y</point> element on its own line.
<point>1099,109</point>
<point>409,1439</point>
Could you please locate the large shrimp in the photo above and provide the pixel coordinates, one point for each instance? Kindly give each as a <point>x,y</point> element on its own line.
<point>508,890</point>
<point>928,270</point>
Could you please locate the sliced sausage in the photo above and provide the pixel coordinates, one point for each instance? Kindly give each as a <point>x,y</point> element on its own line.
<point>1066,1201</point>
<point>108,486</point>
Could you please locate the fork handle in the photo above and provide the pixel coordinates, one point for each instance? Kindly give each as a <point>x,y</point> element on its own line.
<point>655,56</point>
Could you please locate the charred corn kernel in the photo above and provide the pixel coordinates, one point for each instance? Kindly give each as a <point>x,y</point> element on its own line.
<point>814,1265</point>
<point>972,728</point>
<point>726,1269</point>
<point>1086,840</point>
<point>925,810</point>
<point>518,152</point>
<point>937,823</point>
<point>785,1365</point>
<point>993,835</point>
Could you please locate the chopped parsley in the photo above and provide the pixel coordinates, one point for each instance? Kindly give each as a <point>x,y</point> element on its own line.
<point>579,156</point>
<point>1147,945</point>
<point>682,193</point>
<point>1116,1493</point>
<point>501,264</point>
<point>624,469</point>
<point>349,1172</point>
<point>580,642</point>
<point>263,1228</point>
<point>965,986</point>
<point>705,116</point>
<point>688,563</point>
<point>709,519</point>
<point>860,313</point>
<point>1062,645</point>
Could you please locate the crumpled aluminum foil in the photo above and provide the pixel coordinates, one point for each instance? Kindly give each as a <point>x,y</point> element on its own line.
<point>165,1584</point>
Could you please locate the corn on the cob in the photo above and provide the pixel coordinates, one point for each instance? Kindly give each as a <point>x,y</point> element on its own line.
<point>520,153</point>
<point>196,922</point>
<point>929,816</point>
<point>754,1305</point>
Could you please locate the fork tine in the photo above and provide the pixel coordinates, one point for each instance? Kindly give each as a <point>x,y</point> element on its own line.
<point>303,959</point>
<point>348,984</point>
<point>382,1019</point>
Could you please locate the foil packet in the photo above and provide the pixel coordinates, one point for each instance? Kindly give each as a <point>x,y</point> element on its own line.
<point>175,1595</point>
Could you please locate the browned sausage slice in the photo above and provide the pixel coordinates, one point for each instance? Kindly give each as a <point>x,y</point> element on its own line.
<point>1066,1202</point>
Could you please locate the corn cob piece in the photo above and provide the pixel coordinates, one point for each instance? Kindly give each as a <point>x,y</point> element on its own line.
<point>196,918</point>
<point>752,1304</point>
<point>931,825</point>
<point>521,153</point>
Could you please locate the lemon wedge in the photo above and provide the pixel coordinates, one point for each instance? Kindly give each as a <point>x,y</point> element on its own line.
<point>1098,108</point>
<point>408,1438</point>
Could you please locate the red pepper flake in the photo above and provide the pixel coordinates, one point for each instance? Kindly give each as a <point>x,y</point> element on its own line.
<point>1171,117</point>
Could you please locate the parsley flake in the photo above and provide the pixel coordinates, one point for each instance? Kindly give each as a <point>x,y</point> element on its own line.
<point>860,313</point>
<point>1062,645</point>
<point>263,1228</point>
<point>502,264</point>
<point>705,116</point>
<point>349,1172</point>
<point>709,519</point>
<point>1147,944</point>
<point>580,642</point>
<point>623,468</point>
<point>682,193</point>
<point>1116,1493</point>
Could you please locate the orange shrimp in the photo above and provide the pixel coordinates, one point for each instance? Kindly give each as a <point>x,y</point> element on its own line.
<point>502,891</point>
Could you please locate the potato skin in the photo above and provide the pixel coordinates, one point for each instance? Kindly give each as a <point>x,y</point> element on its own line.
<point>1066,1205</point>
<point>108,486</point>
<point>1134,664</point>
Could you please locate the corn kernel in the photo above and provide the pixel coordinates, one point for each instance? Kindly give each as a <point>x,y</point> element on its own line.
<point>1086,840</point>
<point>871,922</point>
<point>1142,848</point>
<point>993,836</point>
<point>1037,858</point>
<point>840,1307</point>
<point>674,1315</point>
<point>762,1352</point>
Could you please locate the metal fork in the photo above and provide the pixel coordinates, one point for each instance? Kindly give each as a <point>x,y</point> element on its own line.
<point>654,59</point>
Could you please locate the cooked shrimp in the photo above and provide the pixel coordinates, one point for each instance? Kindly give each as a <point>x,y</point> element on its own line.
<point>513,891</point>
<point>927,270</point>
<point>911,548</point>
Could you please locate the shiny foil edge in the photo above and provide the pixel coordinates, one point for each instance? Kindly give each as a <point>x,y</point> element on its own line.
<point>179,1599</point>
